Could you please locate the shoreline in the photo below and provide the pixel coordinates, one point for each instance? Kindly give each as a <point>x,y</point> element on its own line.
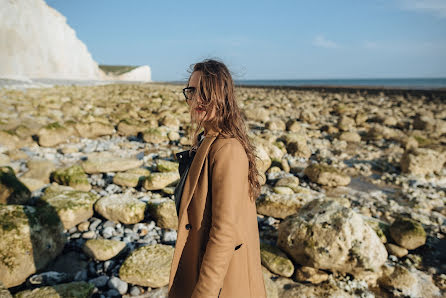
<point>394,90</point>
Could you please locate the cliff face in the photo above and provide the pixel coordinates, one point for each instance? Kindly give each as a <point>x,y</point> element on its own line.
<point>36,42</point>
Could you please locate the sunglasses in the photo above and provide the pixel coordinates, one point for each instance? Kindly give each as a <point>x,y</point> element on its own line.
<point>188,92</point>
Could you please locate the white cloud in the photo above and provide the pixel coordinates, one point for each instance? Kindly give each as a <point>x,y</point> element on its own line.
<point>321,41</point>
<point>435,7</point>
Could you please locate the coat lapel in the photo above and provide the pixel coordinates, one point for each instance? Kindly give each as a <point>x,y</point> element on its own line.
<point>194,173</point>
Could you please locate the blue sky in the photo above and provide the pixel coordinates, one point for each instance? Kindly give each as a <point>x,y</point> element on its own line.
<point>266,39</point>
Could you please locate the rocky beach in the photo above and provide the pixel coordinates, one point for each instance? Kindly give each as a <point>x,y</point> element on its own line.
<point>352,203</point>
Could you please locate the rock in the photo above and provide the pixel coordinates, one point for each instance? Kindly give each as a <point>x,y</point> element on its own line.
<point>117,284</point>
<point>422,161</point>
<point>381,228</point>
<point>379,132</point>
<point>158,180</point>
<point>296,145</point>
<point>94,129</point>
<point>259,114</point>
<point>32,184</point>
<point>132,177</point>
<point>275,124</point>
<point>408,282</point>
<point>10,140</point>
<point>73,176</point>
<point>154,136</point>
<point>121,208</point>
<point>54,134</point>
<point>40,170</point>
<point>289,181</point>
<point>12,191</point>
<point>72,206</point>
<point>281,206</point>
<point>326,175</point>
<point>396,250</point>
<point>4,293</point>
<point>148,266</point>
<point>294,126</point>
<point>83,226</point>
<point>407,233</point>
<point>326,235</point>
<point>129,127</point>
<point>164,212</point>
<point>49,278</point>
<point>346,123</point>
<point>264,161</point>
<point>276,260</point>
<point>100,281</point>
<point>171,121</point>
<point>309,274</point>
<point>282,190</point>
<point>4,159</point>
<point>37,236</point>
<point>102,249</point>
<point>361,118</point>
<point>350,136</point>
<point>103,162</point>
<point>290,289</point>
<point>72,289</point>
<point>424,121</point>
<point>166,165</point>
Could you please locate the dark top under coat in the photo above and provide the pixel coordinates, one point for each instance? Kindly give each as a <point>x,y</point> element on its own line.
<point>185,159</point>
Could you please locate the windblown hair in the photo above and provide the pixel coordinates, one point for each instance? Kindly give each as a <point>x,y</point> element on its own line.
<point>216,89</point>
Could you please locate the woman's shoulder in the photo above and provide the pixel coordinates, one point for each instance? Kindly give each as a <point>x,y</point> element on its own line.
<point>227,147</point>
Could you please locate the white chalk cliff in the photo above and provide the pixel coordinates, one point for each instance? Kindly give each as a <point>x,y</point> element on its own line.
<point>37,42</point>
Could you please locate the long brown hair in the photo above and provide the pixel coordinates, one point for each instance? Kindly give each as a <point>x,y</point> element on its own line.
<point>216,89</point>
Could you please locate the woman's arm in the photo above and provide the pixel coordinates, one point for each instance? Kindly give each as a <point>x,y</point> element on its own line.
<point>229,171</point>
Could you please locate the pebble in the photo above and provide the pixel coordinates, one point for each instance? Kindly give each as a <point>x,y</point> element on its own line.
<point>100,281</point>
<point>108,232</point>
<point>118,284</point>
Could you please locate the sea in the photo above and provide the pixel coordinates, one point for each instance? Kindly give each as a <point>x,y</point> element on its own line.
<point>410,83</point>
<point>403,83</point>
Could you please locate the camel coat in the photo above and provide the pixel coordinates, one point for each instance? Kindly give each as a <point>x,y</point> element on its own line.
<point>217,252</point>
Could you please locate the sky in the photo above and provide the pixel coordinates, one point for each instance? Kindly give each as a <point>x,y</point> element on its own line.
<point>261,40</point>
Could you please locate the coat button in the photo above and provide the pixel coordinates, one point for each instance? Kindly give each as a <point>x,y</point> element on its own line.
<point>188,226</point>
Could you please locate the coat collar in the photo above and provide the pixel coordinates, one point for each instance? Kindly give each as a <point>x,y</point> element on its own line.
<point>210,129</point>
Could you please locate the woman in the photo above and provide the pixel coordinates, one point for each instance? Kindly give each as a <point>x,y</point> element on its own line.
<point>217,253</point>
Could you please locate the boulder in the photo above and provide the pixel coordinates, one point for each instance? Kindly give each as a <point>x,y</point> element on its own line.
<point>121,208</point>
<point>148,266</point>
<point>39,169</point>
<point>422,161</point>
<point>54,134</point>
<point>400,280</point>
<point>326,175</point>
<point>73,176</point>
<point>132,177</point>
<point>12,190</point>
<point>72,206</point>
<point>103,162</point>
<point>156,181</point>
<point>36,235</point>
<point>326,235</point>
<point>407,233</point>
<point>102,249</point>
<point>164,212</point>
<point>72,289</point>
<point>94,129</point>
<point>276,260</point>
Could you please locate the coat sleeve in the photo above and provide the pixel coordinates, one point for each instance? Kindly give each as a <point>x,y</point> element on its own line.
<point>229,171</point>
